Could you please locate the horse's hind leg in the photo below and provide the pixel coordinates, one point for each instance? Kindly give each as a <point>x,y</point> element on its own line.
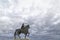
<point>19,36</point>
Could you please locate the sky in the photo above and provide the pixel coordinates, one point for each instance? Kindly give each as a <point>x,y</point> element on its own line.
<point>43,16</point>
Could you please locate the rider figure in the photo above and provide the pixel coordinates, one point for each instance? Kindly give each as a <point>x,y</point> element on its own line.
<point>22,26</point>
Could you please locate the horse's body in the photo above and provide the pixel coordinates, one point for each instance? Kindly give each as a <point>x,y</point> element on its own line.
<point>23,30</point>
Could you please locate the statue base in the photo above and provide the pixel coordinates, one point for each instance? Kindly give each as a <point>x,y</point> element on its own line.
<point>22,39</point>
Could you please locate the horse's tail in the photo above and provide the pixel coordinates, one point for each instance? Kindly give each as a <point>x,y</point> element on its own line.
<point>15,34</point>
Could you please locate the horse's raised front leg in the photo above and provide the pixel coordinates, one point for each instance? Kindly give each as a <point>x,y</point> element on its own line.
<point>25,35</point>
<point>28,34</point>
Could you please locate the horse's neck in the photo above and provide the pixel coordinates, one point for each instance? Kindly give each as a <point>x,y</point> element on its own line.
<point>26,28</point>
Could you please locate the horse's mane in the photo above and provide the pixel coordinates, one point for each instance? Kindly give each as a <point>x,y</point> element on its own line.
<point>26,27</point>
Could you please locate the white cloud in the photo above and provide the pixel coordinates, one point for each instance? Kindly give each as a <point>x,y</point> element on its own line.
<point>5,18</point>
<point>58,21</point>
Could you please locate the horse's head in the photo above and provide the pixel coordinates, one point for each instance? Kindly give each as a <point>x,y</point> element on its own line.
<point>28,26</point>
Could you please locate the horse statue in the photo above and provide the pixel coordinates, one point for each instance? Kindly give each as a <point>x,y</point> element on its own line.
<point>23,29</point>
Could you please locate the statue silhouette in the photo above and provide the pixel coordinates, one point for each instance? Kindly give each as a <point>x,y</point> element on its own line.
<point>23,29</point>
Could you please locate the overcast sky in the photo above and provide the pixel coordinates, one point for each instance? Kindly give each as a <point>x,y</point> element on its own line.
<point>43,16</point>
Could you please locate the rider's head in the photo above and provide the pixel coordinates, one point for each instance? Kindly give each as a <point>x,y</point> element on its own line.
<point>23,24</point>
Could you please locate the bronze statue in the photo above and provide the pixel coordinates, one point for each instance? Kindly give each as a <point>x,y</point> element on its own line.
<point>23,30</point>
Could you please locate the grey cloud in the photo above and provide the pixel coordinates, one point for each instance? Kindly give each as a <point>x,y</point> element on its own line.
<point>41,23</point>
